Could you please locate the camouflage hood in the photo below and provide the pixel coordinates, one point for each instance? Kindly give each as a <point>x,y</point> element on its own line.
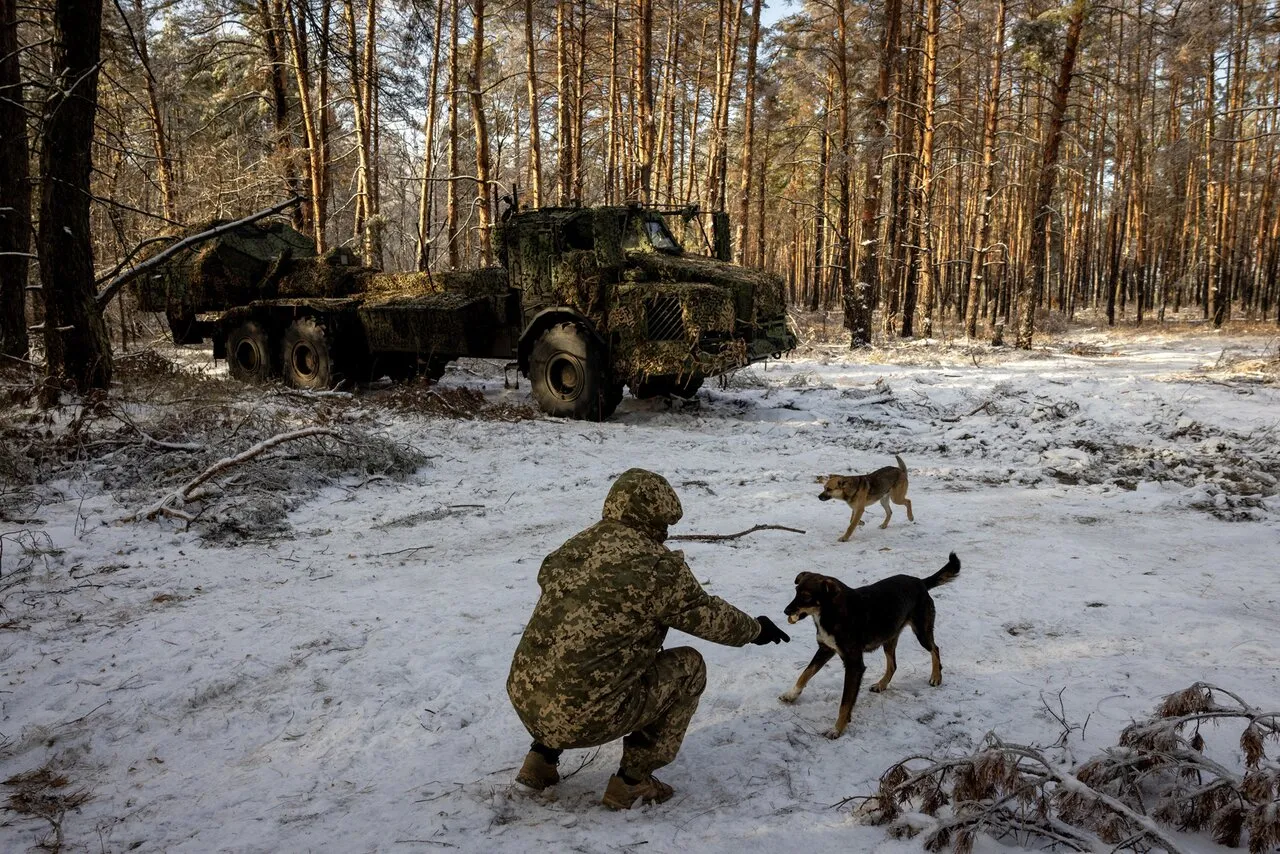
<point>643,500</point>
<point>746,283</point>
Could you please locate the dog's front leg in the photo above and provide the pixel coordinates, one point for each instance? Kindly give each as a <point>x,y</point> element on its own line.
<point>853,670</point>
<point>854,521</point>
<point>820,658</point>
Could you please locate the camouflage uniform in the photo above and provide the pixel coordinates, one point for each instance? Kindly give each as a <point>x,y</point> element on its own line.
<point>590,667</point>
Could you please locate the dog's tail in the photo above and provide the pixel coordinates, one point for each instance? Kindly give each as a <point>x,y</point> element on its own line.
<point>945,575</point>
<point>901,464</point>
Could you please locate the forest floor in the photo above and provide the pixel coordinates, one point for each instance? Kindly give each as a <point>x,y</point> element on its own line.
<point>307,651</point>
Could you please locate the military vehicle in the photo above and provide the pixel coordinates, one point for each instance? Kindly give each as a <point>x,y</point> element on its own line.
<point>587,301</point>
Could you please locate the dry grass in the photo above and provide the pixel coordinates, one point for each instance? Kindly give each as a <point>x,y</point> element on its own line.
<point>45,793</point>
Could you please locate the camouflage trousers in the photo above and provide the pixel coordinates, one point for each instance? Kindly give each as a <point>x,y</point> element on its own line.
<point>652,723</point>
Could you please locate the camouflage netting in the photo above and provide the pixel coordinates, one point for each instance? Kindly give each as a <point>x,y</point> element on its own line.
<point>226,270</point>
<point>678,329</point>
<point>439,323</point>
<point>746,282</point>
<point>401,288</point>
<point>575,282</point>
<point>336,274</point>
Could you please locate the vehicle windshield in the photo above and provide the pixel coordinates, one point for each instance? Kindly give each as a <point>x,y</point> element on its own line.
<point>654,233</point>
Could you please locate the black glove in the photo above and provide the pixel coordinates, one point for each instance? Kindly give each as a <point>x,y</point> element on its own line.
<point>769,633</point>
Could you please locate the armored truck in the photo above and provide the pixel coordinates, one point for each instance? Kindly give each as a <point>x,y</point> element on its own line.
<point>586,301</point>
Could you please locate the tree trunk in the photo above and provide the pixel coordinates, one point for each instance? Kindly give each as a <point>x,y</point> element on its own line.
<point>564,126</point>
<point>271,19</point>
<point>748,128</point>
<point>451,194</point>
<point>15,191</point>
<point>312,122</point>
<point>482,135</point>
<point>866,274</point>
<point>644,92</point>
<point>77,348</point>
<point>364,146</point>
<point>1042,213</point>
<point>820,217</point>
<point>159,139</point>
<point>535,125</point>
<point>924,204</point>
<point>426,199</point>
<point>990,124</point>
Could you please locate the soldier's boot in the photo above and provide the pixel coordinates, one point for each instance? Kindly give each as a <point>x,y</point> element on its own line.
<point>621,795</point>
<point>536,772</point>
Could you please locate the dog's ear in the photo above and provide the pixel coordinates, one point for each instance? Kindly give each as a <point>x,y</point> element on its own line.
<point>820,478</point>
<point>830,586</point>
<point>800,578</point>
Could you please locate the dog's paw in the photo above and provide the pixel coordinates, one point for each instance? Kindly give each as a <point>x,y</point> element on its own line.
<point>843,539</point>
<point>834,733</point>
<point>875,689</point>
<point>935,681</point>
<point>789,697</point>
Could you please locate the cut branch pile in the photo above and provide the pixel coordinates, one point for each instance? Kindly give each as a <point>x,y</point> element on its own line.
<point>1158,779</point>
<point>170,504</point>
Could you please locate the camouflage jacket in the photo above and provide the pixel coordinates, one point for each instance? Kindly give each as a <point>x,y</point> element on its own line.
<point>608,597</point>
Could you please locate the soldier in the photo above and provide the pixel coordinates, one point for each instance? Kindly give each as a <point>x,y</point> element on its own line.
<point>590,667</point>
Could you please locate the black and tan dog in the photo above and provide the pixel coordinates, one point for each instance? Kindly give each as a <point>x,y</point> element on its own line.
<point>854,620</point>
<point>858,490</point>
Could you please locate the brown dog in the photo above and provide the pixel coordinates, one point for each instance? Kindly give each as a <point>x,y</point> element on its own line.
<point>854,620</point>
<point>858,490</point>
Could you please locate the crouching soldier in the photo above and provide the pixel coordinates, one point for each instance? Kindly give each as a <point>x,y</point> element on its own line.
<point>590,667</point>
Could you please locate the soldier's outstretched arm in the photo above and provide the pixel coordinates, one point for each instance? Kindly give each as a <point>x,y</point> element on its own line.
<point>684,605</point>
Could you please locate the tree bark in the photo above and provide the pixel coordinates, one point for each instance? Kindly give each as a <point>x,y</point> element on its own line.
<point>564,124</point>
<point>77,349</point>
<point>1042,213</point>
<point>990,124</point>
<point>481,126</point>
<point>924,204</point>
<point>15,191</point>
<point>159,138</point>
<point>535,103</point>
<point>312,121</point>
<point>426,198</point>
<point>271,20</point>
<point>644,92</point>
<point>866,275</point>
<point>451,194</point>
<point>748,129</point>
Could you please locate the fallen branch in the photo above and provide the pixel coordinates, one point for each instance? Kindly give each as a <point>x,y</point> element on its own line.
<point>718,538</point>
<point>1128,797</point>
<point>183,495</point>
<point>113,287</point>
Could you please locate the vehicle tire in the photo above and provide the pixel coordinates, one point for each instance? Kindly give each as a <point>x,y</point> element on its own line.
<point>249,353</point>
<point>567,373</point>
<point>683,387</point>
<point>306,356</point>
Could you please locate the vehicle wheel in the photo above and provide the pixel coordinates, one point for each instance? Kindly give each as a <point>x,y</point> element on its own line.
<point>567,372</point>
<point>249,353</point>
<point>306,356</point>
<point>685,387</point>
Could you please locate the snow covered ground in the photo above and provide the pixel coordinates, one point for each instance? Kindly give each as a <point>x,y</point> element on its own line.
<point>341,688</point>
